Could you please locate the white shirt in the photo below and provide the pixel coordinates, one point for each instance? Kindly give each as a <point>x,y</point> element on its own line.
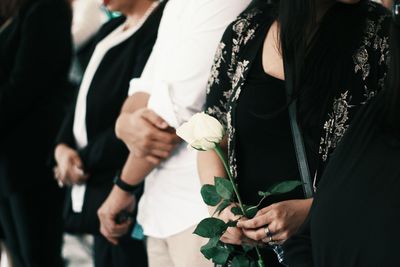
<point>176,77</point>
<point>79,127</point>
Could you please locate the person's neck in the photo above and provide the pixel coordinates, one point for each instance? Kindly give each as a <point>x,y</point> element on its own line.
<point>136,13</point>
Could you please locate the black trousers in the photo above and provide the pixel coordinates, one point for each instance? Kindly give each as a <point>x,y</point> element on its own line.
<point>129,253</point>
<point>32,225</point>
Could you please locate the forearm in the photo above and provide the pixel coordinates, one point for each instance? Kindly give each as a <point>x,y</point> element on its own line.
<point>209,166</point>
<point>136,169</point>
<point>135,102</point>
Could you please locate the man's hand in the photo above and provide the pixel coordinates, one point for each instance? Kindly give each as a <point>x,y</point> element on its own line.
<point>118,201</point>
<point>147,134</point>
<point>69,168</point>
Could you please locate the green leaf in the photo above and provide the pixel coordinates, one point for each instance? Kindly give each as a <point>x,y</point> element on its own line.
<point>237,211</point>
<point>231,248</point>
<point>240,261</point>
<point>284,187</point>
<point>251,211</point>
<point>224,204</point>
<point>247,248</point>
<point>210,227</point>
<point>209,250</point>
<point>224,188</point>
<point>221,256</point>
<point>210,196</point>
<point>231,223</point>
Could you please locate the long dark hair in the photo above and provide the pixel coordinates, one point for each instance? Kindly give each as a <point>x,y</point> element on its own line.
<point>393,82</point>
<point>297,19</point>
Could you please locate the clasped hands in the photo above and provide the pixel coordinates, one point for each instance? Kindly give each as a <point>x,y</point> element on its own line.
<point>147,134</point>
<point>69,169</point>
<point>283,219</point>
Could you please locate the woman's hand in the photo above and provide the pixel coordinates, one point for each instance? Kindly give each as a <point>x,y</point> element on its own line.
<point>283,220</point>
<point>69,168</point>
<point>233,235</point>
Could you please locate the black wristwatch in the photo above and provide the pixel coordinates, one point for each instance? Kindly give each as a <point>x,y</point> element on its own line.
<point>125,186</point>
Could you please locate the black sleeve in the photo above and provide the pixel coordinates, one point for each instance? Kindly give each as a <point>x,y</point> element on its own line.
<point>65,134</point>
<point>104,152</point>
<point>298,249</point>
<point>44,51</point>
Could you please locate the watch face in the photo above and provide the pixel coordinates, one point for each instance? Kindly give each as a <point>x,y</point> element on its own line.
<point>396,12</point>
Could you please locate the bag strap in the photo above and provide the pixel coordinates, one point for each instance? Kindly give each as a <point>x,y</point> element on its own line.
<point>297,136</point>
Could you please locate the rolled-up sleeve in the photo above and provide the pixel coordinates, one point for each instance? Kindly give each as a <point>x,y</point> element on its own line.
<point>177,72</point>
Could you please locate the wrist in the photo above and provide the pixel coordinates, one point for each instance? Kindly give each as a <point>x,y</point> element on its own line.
<point>60,149</point>
<point>125,186</point>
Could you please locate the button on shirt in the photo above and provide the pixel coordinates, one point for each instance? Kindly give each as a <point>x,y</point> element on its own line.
<point>175,77</point>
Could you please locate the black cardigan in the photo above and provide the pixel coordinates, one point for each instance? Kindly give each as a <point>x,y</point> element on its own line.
<point>35,54</point>
<point>105,154</point>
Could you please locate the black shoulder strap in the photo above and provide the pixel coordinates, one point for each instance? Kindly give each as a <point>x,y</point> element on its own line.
<point>297,136</point>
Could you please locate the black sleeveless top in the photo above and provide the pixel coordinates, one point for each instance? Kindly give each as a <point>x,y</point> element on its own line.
<point>265,150</point>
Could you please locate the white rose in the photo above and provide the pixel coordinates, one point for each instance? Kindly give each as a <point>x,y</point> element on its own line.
<point>201,132</point>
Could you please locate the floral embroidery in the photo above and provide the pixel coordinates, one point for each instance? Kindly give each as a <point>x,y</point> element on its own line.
<point>338,120</point>
<point>240,69</point>
<point>336,125</point>
<point>219,58</point>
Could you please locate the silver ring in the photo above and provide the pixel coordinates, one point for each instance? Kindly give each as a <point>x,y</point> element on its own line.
<point>271,240</point>
<point>267,231</point>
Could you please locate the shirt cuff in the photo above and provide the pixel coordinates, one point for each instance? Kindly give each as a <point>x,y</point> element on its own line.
<point>160,102</point>
<point>139,85</point>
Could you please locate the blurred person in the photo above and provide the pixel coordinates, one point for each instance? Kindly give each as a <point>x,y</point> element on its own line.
<point>88,153</point>
<point>333,70</point>
<point>171,89</point>
<point>35,54</point>
<point>88,17</point>
<point>358,196</point>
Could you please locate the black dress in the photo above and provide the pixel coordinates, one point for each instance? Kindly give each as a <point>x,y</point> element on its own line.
<point>355,216</point>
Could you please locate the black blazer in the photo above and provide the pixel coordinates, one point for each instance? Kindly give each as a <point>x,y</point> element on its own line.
<point>105,154</point>
<point>35,54</point>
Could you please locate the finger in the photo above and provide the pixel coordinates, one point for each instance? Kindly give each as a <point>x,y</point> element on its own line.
<point>227,240</point>
<point>119,230</point>
<point>159,153</point>
<point>153,160</point>
<point>256,222</point>
<point>165,137</point>
<point>113,229</point>
<point>161,146</point>
<point>234,235</point>
<point>280,237</point>
<point>257,235</point>
<point>105,233</point>
<point>154,119</point>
